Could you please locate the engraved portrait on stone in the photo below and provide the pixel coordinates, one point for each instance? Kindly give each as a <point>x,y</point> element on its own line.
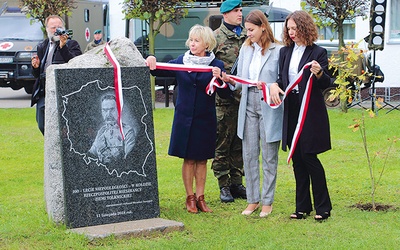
<point>109,145</point>
<point>92,132</point>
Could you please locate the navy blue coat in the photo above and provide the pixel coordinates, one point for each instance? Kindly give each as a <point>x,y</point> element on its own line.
<point>194,129</point>
<point>315,136</point>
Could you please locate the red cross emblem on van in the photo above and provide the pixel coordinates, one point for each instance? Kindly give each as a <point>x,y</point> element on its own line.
<point>6,46</point>
<point>87,34</point>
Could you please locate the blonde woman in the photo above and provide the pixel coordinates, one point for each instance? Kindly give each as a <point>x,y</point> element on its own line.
<point>194,127</point>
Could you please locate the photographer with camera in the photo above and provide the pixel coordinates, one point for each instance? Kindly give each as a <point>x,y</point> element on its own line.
<point>58,48</point>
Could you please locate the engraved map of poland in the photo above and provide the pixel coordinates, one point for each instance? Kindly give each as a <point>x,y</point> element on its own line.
<point>93,133</point>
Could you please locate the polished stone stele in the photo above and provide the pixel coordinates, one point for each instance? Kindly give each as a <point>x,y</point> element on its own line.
<point>92,176</point>
<point>108,177</point>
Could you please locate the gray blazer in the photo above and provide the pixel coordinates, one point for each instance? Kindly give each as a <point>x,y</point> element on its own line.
<point>273,118</point>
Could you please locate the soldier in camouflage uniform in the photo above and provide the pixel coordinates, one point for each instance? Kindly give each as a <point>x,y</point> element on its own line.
<point>97,40</point>
<point>228,162</point>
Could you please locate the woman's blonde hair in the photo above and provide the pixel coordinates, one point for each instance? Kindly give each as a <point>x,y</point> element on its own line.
<point>205,33</point>
<point>258,18</point>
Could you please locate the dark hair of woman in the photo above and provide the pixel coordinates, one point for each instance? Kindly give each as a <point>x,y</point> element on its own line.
<point>306,30</point>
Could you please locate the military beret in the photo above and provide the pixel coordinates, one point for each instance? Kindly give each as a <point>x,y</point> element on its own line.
<point>97,32</point>
<point>229,5</point>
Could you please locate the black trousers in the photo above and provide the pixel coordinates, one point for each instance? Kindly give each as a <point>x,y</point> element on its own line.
<point>308,171</point>
<point>40,114</point>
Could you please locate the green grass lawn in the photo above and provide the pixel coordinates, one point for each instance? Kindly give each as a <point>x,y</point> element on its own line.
<point>24,223</point>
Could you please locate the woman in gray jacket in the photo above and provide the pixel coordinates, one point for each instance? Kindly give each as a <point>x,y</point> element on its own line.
<point>258,124</point>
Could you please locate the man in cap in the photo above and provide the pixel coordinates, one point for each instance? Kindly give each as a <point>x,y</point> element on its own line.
<point>97,40</point>
<point>228,162</point>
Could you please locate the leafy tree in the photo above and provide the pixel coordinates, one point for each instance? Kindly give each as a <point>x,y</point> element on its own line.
<point>155,13</point>
<point>334,12</point>
<point>349,69</point>
<point>346,66</point>
<point>39,10</point>
<point>375,173</point>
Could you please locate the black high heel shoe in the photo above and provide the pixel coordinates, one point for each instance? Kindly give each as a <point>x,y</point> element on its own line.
<point>299,215</point>
<point>321,217</point>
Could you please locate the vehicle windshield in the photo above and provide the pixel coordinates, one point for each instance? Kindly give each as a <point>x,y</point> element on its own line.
<point>19,28</point>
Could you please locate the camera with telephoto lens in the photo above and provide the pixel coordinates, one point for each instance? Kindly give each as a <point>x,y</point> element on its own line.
<point>60,32</point>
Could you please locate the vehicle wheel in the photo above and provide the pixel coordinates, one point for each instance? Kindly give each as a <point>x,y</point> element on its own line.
<point>175,93</point>
<point>330,103</point>
<point>28,89</point>
<point>16,87</point>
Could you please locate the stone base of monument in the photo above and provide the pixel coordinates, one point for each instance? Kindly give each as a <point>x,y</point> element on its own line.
<point>136,228</point>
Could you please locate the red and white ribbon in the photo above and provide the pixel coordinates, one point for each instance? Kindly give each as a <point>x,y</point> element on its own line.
<point>117,85</point>
<point>303,108</point>
<point>212,85</point>
<point>183,67</point>
<point>290,87</point>
<point>243,81</point>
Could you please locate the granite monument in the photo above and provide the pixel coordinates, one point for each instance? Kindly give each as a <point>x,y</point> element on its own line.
<point>97,172</point>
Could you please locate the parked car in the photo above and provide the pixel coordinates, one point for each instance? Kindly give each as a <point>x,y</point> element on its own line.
<point>18,40</point>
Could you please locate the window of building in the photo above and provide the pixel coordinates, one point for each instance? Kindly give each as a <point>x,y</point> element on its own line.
<point>328,33</point>
<point>394,25</point>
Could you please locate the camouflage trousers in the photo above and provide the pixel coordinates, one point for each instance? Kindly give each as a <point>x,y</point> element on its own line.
<point>228,162</point>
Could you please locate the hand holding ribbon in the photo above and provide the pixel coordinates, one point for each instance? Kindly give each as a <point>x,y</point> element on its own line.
<point>277,102</point>
<point>265,90</point>
<point>213,84</point>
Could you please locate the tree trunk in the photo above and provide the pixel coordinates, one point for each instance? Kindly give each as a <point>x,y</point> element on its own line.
<point>343,104</point>
<point>340,34</point>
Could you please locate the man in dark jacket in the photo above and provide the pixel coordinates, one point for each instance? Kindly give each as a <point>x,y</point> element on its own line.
<point>56,49</point>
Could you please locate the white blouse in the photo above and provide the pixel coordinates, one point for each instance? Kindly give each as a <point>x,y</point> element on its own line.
<point>298,52</point>
<point>255,65</point>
